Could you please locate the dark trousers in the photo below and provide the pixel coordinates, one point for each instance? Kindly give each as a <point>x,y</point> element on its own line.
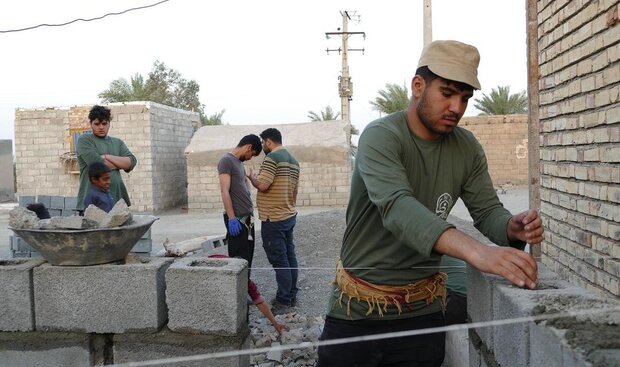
<point>456,308</point>
<point>280,249</point>
<point>412,351</point>
<point>241,245</point>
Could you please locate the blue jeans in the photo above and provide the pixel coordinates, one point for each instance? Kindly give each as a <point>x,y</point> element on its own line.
<point>280,249</point>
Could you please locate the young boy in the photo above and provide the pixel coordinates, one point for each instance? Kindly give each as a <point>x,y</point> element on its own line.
<point>98,194</point>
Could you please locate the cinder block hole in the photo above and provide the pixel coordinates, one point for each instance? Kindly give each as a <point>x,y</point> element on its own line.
<point>12,262</point>
<point>211,263</point>
<point>542,286</point>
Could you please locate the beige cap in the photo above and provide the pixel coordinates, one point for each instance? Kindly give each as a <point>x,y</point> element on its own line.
<point>452,60</point>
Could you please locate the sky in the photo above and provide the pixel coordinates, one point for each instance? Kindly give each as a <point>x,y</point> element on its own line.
<point>262,62</point>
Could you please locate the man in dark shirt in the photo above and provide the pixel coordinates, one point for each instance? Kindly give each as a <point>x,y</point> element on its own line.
<point>235,190</point>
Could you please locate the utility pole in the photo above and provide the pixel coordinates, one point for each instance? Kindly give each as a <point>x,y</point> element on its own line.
<point>345,86</point>
<point>428,22</point>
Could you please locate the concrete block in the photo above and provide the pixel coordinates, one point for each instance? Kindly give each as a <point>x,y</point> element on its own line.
<point>45,200</point>
<point>131,347</point>
<point>107,298</point>
<point>457,348</point>
<point>68,212</point>
<point>511,342</point>
<point>70,203</point>
<point>147,234</point>
<point>55,212</point>
<point>57,202</point>
<point>548,348</point>
<point>18,244</point>
<point>214,242</point>
<point>16,302</point>
<point>144,245</point>
<point>24,200</point>
<point>191,284</point>
<point>35,349</point>
<point>480,301</point>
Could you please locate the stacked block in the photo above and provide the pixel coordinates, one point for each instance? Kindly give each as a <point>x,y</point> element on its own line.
<point>207,296</point>
<point>36,349</point>
<point>16,300</point>
<point>130,347</point>
<point>528,343</point>
<point>102,298</point>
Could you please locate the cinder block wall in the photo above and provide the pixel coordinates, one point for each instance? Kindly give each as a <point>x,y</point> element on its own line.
<point>322,149</point>
<point>579,65</point>
<point>7,185</point>
<point>504,139</point>
<point>156,134</point>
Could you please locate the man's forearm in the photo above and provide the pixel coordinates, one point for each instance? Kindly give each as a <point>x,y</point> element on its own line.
<point>119,162</point>
<point>228,207</point>
<point>515,265</point>
<point>455,243</point>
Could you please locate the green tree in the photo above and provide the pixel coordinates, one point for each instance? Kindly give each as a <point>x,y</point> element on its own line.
<point>163,85</point>
<point>326,115</point>
<point>214,119</point>
<point>501,102</point>
<point>391,99</point>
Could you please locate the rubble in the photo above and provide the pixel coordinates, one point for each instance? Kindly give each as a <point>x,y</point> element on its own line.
<point>302,330</point>
<point>22,218</point>
<point>118,216</point>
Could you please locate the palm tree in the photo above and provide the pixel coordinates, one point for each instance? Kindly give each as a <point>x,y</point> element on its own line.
<point>501,102</point>
<point>391,99</point>
<point>326,115</point>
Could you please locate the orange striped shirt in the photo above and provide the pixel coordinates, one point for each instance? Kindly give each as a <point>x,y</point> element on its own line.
<point>281,171</point>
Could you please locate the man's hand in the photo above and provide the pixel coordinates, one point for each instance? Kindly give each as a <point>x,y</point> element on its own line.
<point>234,227</point>
<point>526,227</point>
<point>515,265</point>
<point>280,328</point>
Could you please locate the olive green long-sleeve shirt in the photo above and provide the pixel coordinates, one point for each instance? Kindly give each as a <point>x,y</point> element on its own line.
<point>89,150</point>
<point>402,190</point>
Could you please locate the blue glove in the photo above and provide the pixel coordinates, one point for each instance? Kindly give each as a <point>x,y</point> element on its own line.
<point>234,227</point>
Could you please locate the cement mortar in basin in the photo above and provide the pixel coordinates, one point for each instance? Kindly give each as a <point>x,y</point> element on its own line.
<point>87,246</point>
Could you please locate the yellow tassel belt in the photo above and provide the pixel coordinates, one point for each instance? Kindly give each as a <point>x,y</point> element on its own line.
<point>379,297</point>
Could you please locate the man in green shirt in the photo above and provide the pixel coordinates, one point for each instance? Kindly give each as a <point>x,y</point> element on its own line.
<point>410,169</point>
<point>99,147</point>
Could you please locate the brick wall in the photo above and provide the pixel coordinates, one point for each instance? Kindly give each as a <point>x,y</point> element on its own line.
<point>579,65</point>
<point>157,135</point>
<point>504,139</point>
<point>322,149</point>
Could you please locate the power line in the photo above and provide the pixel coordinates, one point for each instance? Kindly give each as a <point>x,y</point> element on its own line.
<point>81,19</point>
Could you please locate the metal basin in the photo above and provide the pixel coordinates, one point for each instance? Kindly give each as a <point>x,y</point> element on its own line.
<point>87,246</point>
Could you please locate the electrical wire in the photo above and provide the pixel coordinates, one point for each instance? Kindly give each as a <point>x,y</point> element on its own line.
<point>81,19</point>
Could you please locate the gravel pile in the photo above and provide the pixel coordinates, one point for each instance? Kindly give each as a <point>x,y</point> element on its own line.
<point>318,239</point>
